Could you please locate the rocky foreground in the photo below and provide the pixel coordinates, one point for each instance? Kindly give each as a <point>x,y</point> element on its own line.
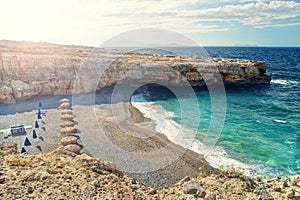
<point>28,69</point>
<point>63,175</point>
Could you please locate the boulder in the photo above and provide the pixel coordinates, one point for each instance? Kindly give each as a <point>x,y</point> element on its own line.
<point>6,95</point>
<point>192,188</point>
<point>23,90</point>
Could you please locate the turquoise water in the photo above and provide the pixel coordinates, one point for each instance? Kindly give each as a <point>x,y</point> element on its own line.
<point>262,128</point>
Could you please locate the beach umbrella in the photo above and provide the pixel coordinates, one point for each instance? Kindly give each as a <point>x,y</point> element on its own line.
<point>65,105</point>
<point>34,135</point>
<point>67,131</point>
<point>39,116</point>
<point>27,142</point>
<point>23,150</point>
<point>36,124</point>
<point>66,124</point>
<point>64,100</point>
<point>63,112</point>
<point>40,104</point>
<point>66,117</point>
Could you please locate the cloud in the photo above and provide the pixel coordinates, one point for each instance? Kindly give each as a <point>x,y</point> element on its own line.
<point>167,14</point>
<point>88,20</point>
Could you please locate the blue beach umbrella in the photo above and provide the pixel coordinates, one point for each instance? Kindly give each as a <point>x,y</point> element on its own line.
<point>27,142</point>
<point>23,150</point>
<point>36,124</point>
<point>39,116</point>
<point>40,104</point>
<point>34,135</point>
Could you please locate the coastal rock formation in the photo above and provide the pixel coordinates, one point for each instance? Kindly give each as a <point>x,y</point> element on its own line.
<point>28,69</point>
<point>6,95</point>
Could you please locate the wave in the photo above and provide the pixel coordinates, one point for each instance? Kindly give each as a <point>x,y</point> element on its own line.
<point>280,121</point>
<point>283,82</point>
<point>178,134</point>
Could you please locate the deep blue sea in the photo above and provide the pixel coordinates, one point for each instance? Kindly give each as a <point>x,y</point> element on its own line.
<point>262,125</point>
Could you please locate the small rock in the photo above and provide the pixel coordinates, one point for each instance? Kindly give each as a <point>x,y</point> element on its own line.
<point>97,182</point>
<point>290,193</point>
<point>152,192</point>
<point>185,179</point>
<point>263,194</point>
<point>15,192</point>
<point>133,181</point>
<point>211,196</point>
<point>2,180</point>
<point>277,189</point>
<point>90,193</point>
<point>192,188</point>
<point>42,175</point>
<point>30,190</point>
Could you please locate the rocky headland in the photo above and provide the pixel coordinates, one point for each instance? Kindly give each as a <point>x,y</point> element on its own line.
<point>28,69</point>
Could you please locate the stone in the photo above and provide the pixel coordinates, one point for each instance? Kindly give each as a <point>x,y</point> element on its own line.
<point>73,148</point>
<point>290,193</point>
<point>68,140</point>
<point>133,181</point>
<point>210,196</point>
<point>42,175</point>
<point>192,188</point>
<point>6,95</point>
<point>2,180</point>
<point>184,179</point>
<point>22,89</point>
<point>30,189</point>
<point>15,192</point>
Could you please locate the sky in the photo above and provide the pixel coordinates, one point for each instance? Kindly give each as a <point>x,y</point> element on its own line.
<point>207,22</point>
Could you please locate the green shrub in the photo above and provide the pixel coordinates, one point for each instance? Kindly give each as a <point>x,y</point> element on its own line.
<point>232,171</point>
<point>201,172</point>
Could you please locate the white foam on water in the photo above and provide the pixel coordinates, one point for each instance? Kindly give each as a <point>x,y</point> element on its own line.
<point>184,137</point>
<point>280,121</point>
<point>283,82</point>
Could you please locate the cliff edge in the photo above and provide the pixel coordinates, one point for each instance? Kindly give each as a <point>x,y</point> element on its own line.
<point>29,68</point>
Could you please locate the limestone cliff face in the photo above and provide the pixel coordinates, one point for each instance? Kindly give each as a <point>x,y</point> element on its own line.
<point>28,69</point>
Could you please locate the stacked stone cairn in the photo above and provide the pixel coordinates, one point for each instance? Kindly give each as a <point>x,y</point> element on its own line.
<point>68,130</point>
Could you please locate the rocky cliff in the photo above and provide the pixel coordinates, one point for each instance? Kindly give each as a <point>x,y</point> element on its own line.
<point>28,69</point>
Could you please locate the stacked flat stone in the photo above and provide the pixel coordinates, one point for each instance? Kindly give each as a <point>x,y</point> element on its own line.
<point>69,141</point>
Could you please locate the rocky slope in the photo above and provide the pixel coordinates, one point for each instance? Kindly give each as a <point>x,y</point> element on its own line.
<point>28,69</point>
<point>59,175</point>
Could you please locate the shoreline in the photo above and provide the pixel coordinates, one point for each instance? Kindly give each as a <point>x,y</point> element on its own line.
<point>137,124</point>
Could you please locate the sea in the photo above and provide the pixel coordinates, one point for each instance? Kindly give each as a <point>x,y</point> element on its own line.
<point>261,131</point>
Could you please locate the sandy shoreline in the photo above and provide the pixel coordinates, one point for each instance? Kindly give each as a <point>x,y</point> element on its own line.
<point>167,163</point>
<point>141,153</point>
